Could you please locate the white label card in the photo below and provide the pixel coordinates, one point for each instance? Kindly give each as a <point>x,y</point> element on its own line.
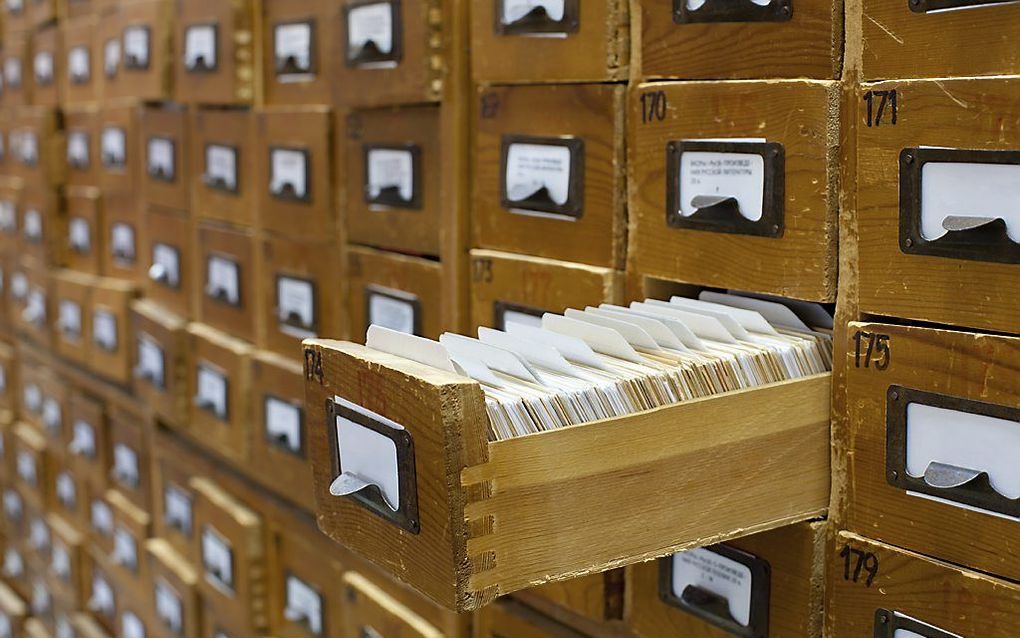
<point>161,158</point>
<point>28,148</point>
<point>136,47</point>
<point>304,604</point>
<point>70,319</point>
<point>288,172</point>
<point>101,517</point>
<point>79,235</point>
<point>292,46</point>
<point>41,599</point>
<point>104,329</point>
<point>83,439</point>
<point>295,300</point>
<point>177,506</point>
<point>38,535</point>
<point>122,240</point>
<point>14,564</point>
<point>200,47</point>
<point>283,423</point>
<point>113,147</point>
<point>370,23</point>
<point>538,171</point>
<point>125,549</point>
<point>60,561</point>
<point>52,415</point>
<point>166,265</point>
<point>33,225</point>
<point>514,10</point>
<point>26,467</point>
<point>12,72</point>
<point>8,216</point>
<point>221,166</point>
<point>737,175</point>
<point>212,391</point>
<point>391,170</point>
<point>102,599</point>
<point>715,573</point>
<point>111,57</point>
<point>13,506</point>
<point>66,490</point>
<point>42,65</point>
<point>223,280</point>
<point>131,626</point>
<point>78,66</point>
<point>370,456</point>
<point>969,189</point>
<point>390,312</point>
<point>78,149</point>
<point>150,360</point>
<point>125,465</point>
<point>169,607</point>
<point>217,558</point>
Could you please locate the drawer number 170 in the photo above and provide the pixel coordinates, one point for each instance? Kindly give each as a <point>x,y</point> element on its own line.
<point>871,350</point>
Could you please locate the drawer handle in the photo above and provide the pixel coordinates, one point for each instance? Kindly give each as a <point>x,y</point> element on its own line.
<point>543,17</point>
<point>926,454</point>
<point>711,603</point>
<point>755,187</point>
<point>924,6</point>
<point>695,11</point>
<point>888,623</point>
<point>960,204</point>
<point>373,463</point>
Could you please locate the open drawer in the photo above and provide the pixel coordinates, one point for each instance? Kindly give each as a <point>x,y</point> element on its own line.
<point>478,519</point>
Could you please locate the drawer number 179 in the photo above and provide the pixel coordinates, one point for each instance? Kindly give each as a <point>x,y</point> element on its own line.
<point>859,566</point>
<point>871,350</point>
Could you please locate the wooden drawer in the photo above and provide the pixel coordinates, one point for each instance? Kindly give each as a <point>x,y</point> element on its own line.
<point>398,291</point>
<point>306,595</point>
<point>170,278</point>
<point>280,436</point>
<point>145,51</point>
<point>983,31</point>
<point>110,351</point>
<point>164,136</point>
<point>13,612</point>
<point>775,589</point>
<point>84,625</point>
<point>174,500</point>
<point>8,385</point>
<point>88,442</point>
<point>42,12</point>
<point>394,194</point>
<point>298,284</point>
<point>15,521</point>
<point>68,576</point>
<point>523,288</point>
<point>390,51</point>
<point>82,60</point>
<point>84,230</point>
<point>220,383</point>
<point>799,38</point>
<point>70,496</point>
<point>175,602</point>
<point>43,226</point>
<point>81,131</point>
<point>17,69</point>
<point>103,592</point>
<point>910,265</point>
<point>15,570</point>
<point>895,590</point>
<point>122,236</point>
<point>54,409</point>
<point>108,52</point>
<point>31,465</point>
<point>227,297</point>
<point>231,542</point>
<point>217,60</point>
<point>371,611</point>
<point>159,362</point>
<point>466,544</point>
<point>48,68</point>
<point>549,178</point>
<point>294,174</point>
<point>119,157</point>
<point>526,43</point>
<point>10,214</point>
<point>130,467</point>
<point>100,528</point>
<point>135,619</point>
<point>949,395</point>
<point>72,321</point>
<point>784,244</point>
<point>295,63</point>
<point>30,378</point>
<point>511,618</point>
<point>34,308</point>
<point>38,147</point>
<point>593,603</point>
<point>127,564</point>
<point>222,166</point>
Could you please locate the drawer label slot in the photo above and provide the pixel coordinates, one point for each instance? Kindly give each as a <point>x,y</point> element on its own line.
<point>288,173</point>
<point>955,450</point>
<point>79,235</point>
<point>78,150</point>
<point>212,391</point>
<point>542,175</point>
<point>393,175</point>
<point>695,11</point>
<point>69,319</point>
<point>221,167</point>
<point>537,18</point>
<point>303,605</point>
<point>928,6</point>
<point>283,424</point>
<point>111,57</point>
<point>393,309</point>
<point>373,34</point>
<point>177,509</point>
<point>200,48</point>
<point>78,65</point>
<point>292,50</point>
<point>125,466</point>
<point>169,608</point>
<point>151,362</point>
<point>104,330</point>
<point>136,48</point>
<point>122,243</point>
<point>166,265</point>
<point>892,624</point>
<point>504,312</point>
<point>223,280</point>
<point>113,147</point>
<point>217,559</point>
<point>42,65</point>
<point>373,461</point>
<point>160,164</point>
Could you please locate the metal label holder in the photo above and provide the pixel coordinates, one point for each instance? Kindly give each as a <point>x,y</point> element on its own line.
<point>500,308</point>
<point>370,54</point>
<point>537,21</point>
<point>369,496</point>
<point>961,485</point>
<point>733,11</point>
<point>199,64</point>
<point>714,609</point>
<point>924,6</point>
<point>157,171</point>
<point>216,182</point>
<point>390,196</point>
<point>286,190</point>
<point>722,214</point>
<point>539,202</point>
<point>282,442</point>
<point>289,65</point>
<point>887,622</point>
<point>372,290</point>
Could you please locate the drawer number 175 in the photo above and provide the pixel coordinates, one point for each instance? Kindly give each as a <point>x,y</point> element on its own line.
<point>871,350</point>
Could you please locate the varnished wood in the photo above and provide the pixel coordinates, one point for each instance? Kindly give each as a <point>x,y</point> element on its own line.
<point>136,523</point>
<point>239,246</point>
<point>593,113</point>
<point>958,364</point>
<point>593,604</point>
<point>176,572</point>
<point>237,78</point>
<point>809,45</point>
<point>537,284</point>
<point>315,89</point>
<point>937,593</point>
<point>369,606</point>
<point>153,82</point>
<point>169,122</point>
<point>89,409</point>
<point>131,429</point>
<point>51,247</point>
<point>510,618</point>
<point>122,114</point>
<point>176,230</point>
<point>75,288</point>
<point>801,115</point>
<point>231,128</point>
<point>416,276</point>
<point>982,114</point>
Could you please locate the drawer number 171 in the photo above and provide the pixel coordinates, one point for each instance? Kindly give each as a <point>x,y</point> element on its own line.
<point>871,350</point>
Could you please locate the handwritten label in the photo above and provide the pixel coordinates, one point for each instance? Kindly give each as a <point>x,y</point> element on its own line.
<point>727,578</point>
<point>537,173</point>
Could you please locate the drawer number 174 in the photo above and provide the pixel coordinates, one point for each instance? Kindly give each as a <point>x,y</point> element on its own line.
<point>871,350</point>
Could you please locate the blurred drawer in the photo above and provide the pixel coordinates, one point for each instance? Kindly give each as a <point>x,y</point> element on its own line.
<point>164,136</point>
<point>119,148</point>
<point>130,467</point>
<point>227,300</point>
<point>38,146</point>
<point>768,584</point>
<point>88,443</point>
<point>72,322</point>
<point>934,431</point>
<point>217,60</point>
<point>82,60</point>
<point>372,612</point>
<point>295,63</point>
<point>121,236</point>
<point>103,593</point>
<point>10,214</point>
<point>720,40</point>
<point>223,166</point>
<point>43,227</point>
<point>397,291</point>
<point>174,501</point>
<point>48,68</point>
<point>100,520</point>
<point>15,521</point>
<point>54,409</point>
<point>549,172</point>
<point>220,390</point>
<point>170,277</point>
<point>159,362</point>
<point>16,68</point>
<point>464,543</point>
<point>305,587</point>
<point>31,465</point>
<point>33,304</point>
<point>510,618</point>
<point>84,230</point>
<point>127,564</point>
<point>8,386</point>
<point>294,174</point>
<point>941,250</point>
<point>70,496</point>
<point>280,436</point>
<point>30,377</point>
<point>110,351</point>
<point>879,590</point>
<point>550,41</point>
<point>300,293</point>
<point>175,602</point>
<point>594,602</point>
<point>394,192</point>
<point>81,131</point>
<point>145,51</point>
<point>231,542</point>
<point>506,287</point>
<point>68,575</point>
<point>770,228</point>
